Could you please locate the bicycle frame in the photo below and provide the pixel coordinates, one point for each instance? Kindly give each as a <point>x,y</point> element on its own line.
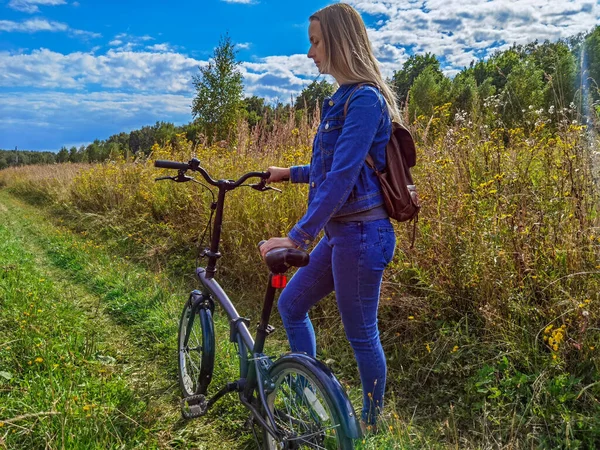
<point>254,375</point>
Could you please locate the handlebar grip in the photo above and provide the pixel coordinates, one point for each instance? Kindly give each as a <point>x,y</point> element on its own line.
<point>171,165</point>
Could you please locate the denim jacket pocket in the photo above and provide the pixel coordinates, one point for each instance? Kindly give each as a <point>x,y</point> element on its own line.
<point>329,132</point>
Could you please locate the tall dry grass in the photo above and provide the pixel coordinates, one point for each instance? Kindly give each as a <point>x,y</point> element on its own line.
<point>490,323</point>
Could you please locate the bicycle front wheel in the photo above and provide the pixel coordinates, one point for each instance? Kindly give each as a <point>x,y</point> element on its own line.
<point>303,410</point>
<point>196,342</point>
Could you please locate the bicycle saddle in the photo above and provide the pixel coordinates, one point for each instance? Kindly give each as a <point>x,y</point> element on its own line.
<point>280,260</point>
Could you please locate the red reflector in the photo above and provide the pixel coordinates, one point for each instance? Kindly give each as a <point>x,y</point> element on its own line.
<point>279,281</point>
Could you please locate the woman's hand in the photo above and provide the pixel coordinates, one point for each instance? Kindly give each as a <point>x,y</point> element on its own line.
<point>278,174</point>
<point>280,242</point>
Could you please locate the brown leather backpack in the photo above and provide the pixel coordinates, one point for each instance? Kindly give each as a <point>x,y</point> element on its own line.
<point>399,191</point>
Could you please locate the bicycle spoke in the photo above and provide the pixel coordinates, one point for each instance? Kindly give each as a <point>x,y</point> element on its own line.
<point>302,414</point>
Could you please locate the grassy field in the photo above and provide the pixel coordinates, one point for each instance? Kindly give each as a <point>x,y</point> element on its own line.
<point>490,324</point>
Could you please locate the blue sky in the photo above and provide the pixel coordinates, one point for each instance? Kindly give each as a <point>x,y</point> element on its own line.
<point>74,71</point>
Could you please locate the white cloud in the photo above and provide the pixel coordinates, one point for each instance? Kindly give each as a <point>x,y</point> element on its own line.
<point>126,42</point>
<point>243,45</point>
<point>31,6</point>
<point>139,71</point>
<point>32,26</point>
<point>463,30</point>
<point>157,69</point>
<point>40,25</point>
<point>162,48</point>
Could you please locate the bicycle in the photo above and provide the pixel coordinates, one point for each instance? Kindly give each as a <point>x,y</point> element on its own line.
<point>296,399</point>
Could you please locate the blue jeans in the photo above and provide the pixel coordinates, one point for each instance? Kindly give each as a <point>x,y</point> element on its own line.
<point>350,260</point>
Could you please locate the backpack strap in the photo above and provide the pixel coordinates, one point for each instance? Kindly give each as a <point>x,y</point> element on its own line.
<point>368,159</point>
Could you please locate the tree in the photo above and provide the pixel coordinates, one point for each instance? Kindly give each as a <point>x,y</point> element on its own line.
<point>430,89</point>
<point>255,109</point>
<point>403,79</point>
<point>522,92</point>
<point>591,60</point>
<point>464,92</point>
<point>313,94</point>
<point>219,89</point>
<point>164,132</point>
<point>63,155</point>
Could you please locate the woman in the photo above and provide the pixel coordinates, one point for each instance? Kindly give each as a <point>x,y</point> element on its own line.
<point>345,201</point>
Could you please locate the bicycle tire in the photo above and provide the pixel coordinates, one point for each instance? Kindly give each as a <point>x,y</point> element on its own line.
<point>303,409</point>
<point>197,352</point>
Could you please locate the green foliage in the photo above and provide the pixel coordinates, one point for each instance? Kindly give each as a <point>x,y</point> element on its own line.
<point>255,109</point>
<point>14,158</point>
<point>429,90</point>
<point>218,101</point>
<point>313,95</point>
<point>523,91</point>
<point>403,79</point>
<point>591,75</point>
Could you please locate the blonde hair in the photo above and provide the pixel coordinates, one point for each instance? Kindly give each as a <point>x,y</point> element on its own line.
<point>348,54</point>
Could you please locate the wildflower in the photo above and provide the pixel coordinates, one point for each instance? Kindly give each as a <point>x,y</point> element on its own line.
<point>391,428</point>
<point>455,349</point>
<point>553,356</point>
<point>86,407</point>
<point>592,347</point>
<point>39,360</point>
<point>428,348</point>
<point>411,317</point>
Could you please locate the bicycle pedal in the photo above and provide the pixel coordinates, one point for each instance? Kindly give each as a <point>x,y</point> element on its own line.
<point>193,406</point>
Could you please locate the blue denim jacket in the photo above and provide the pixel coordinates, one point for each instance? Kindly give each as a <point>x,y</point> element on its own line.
<point>340,181</point>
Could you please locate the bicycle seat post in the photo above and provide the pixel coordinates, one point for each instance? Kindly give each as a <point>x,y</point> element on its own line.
<point>263,326</point>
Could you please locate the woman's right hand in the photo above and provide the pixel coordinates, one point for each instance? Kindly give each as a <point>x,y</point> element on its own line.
<point>278,174</point>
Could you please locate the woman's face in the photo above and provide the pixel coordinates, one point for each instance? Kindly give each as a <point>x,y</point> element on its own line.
<point>317,48</point>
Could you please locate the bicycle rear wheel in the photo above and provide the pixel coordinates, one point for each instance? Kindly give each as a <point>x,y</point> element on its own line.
<point>196,341</point>
<point>303,410</point>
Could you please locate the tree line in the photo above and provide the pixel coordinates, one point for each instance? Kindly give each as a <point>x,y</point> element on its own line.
<point>561,78</point>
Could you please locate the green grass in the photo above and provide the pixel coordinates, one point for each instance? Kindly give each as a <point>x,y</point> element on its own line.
<point>87,353</point>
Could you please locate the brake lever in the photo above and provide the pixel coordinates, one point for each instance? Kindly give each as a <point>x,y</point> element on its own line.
<point>179,178</point>
<point>262,187</point>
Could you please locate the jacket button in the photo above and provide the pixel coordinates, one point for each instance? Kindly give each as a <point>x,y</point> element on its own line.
<point>327,126</point>
<point>330,102</point>
<point>312,184</point>
<point>307,242</point>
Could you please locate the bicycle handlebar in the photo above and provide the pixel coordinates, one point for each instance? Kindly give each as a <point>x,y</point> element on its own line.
<point>171,165</point>
<point>194,165</point>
